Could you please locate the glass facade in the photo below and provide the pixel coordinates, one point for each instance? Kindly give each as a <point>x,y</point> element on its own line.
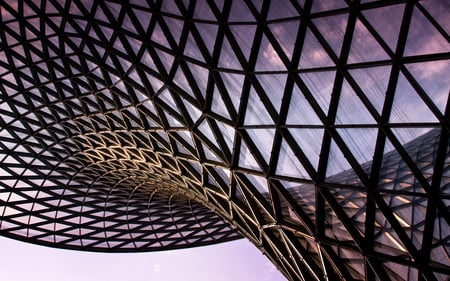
<point>318,130</point>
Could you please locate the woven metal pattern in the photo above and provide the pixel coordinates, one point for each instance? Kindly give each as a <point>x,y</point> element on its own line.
<point>319,130</point>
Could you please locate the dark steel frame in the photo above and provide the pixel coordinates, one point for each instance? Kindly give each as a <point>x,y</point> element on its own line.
<point>94,114</point>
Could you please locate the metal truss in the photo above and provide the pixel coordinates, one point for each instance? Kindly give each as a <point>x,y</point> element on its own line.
<point>318,130</point>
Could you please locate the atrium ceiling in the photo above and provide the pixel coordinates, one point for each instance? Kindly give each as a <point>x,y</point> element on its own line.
<point>318,130</point>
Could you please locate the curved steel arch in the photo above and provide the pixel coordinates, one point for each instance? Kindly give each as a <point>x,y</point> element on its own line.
<point>318,130</point>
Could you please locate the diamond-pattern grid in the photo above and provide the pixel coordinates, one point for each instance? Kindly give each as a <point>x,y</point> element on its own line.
<point>318,129</point>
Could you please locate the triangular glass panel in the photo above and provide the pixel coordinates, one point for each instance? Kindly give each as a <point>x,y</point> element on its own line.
<point>320,85</point>
<point>289,165</point>
<point>170,7</point>
<point>224,174</point>
<point>354,262</point>
<point>135,44</point>
<point>410,212</point>
<point>273,86</point>
<point>351,110</point>
<point>268,59</point>
<point>216,185</point>
<point>7,16</point>
<point>238,206</point>
<point>11,36</point>
<point>395,173</point>
<point>192,50</point>
<point>439,251</point>
<point>310,142</point>
<point>175,26</point>
<point>114,10</point>
<point>166,97</point>
<point>142,95</point>
<point>209,154</point>
<point>246,159</point>
<point>265,210</point>
<point>386,239</point>
<point>257,4</point>
<point>228,134</point>
<point>228,58</point>
<point>152,118</point>
<point>147,60</point>
<point>386,21</point>
<point>133,118</point>
<point>400,272</point>
<point>332,29</point>
<point>284,32</point>
<point>408,106</point>
<point>281,9</point>
<point>300,111</point>
<point>120,91</point>
<point>420,143</point>
<point>240,12</point>
<point>166,59</point>
<point>173,120</point>
<point>260,183</point>
<point>304,195</point>
<point>218,106</point>
<point>27,10</point>
<point>234,84</point>
<point>143,17</point>
<point>104,98</point>
<point>256,113</point>
<point>193,111</point>
<point>3,70</point>
<point>181,81</point>
<point>214,181</point>
<point>114,75</point>
<point>203,11</point>
<point>205,129</point>
<point>10,211</point>
<point>263,139</point>
<point>339,169</point>
<point>424,38</point>
<point>197,167</point>
<point>313,54</point>
<point>353,203</point>
<point>105,32</point>
<point>364,47</point>
<point>80,23</point>
<point>244,35</point>
<point>361,142</point>
<point>438,11</point>
<point>373,82</point>
<point>201,76</point>
<point>432,77</point>
<point>320,6</point>
<point>208,32</point>
<point>128,24</point>
<point>334,228</point>
<point>183,149</point>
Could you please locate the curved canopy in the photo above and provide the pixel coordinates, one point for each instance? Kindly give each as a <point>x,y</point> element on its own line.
<point>319,130</point>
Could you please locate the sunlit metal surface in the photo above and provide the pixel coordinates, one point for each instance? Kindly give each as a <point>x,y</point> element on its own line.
<point>319,130</point>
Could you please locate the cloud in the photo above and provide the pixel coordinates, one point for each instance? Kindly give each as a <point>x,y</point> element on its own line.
<point>270,54</point>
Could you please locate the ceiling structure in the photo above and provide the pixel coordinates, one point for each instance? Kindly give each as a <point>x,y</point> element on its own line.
<point>318,130</point>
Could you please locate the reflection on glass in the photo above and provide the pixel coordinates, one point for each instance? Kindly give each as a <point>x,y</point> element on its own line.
<point>317,128</point>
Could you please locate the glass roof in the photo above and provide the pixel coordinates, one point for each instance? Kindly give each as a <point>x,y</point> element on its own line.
<point>318,130</point>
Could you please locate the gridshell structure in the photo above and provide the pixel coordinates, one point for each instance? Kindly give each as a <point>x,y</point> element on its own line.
<point>318,130</point>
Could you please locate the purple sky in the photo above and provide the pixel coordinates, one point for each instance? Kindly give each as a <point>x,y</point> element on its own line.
<point>237,260</point>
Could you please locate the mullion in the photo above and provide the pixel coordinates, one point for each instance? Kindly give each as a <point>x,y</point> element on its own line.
<point>247,82</point>
<point>431,212</point>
